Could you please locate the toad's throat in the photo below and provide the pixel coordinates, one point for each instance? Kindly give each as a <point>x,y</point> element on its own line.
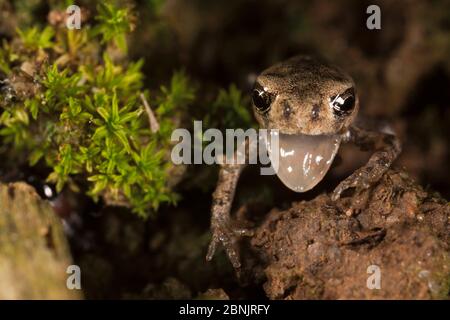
<point>302,160</point>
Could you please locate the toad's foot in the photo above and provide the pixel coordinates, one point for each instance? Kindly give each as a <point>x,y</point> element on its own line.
<point>225,233</point>
<point>361,179</point>
<point>387,148</point>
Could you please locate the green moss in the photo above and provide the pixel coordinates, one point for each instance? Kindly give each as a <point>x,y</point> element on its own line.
<point>230,110</point>
<point>84,118</point>
<point>74,104</point>
<point>114,24</point>
<point>34,38</point>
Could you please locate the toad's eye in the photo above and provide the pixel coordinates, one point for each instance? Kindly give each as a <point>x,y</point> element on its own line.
<point>344,103</point>
<point>261,99</point>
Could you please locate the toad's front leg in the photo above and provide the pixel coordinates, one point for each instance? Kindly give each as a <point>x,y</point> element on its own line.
<point>224,229</point>
<point>387,147</point>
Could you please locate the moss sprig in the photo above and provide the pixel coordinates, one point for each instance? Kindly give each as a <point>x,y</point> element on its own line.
<point>80,112</point>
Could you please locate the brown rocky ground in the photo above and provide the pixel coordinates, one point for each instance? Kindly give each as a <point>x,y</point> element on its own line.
<point>321,250</point>
<point>310,249</point>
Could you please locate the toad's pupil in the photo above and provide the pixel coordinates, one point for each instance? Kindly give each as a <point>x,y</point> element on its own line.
<point>348,104</point>
<point>261,100</point>
<point>342,106</point>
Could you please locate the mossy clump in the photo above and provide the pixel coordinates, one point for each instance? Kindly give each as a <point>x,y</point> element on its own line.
<point>71,100</point>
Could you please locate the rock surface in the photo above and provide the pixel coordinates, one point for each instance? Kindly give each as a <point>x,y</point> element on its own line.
<point>322,250</point>
<point>34,254</point>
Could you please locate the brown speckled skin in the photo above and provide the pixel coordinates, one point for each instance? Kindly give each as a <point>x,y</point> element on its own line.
<point>304,86</point>
<point>301,88</point>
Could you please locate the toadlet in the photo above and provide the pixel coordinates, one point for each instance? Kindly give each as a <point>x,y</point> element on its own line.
<point>312,105</point>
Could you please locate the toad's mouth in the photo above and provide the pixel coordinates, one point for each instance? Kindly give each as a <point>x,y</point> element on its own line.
<point>300,160</point>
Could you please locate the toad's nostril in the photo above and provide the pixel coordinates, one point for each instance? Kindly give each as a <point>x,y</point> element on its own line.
<point>287,110</point>
<point>315,112</point>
